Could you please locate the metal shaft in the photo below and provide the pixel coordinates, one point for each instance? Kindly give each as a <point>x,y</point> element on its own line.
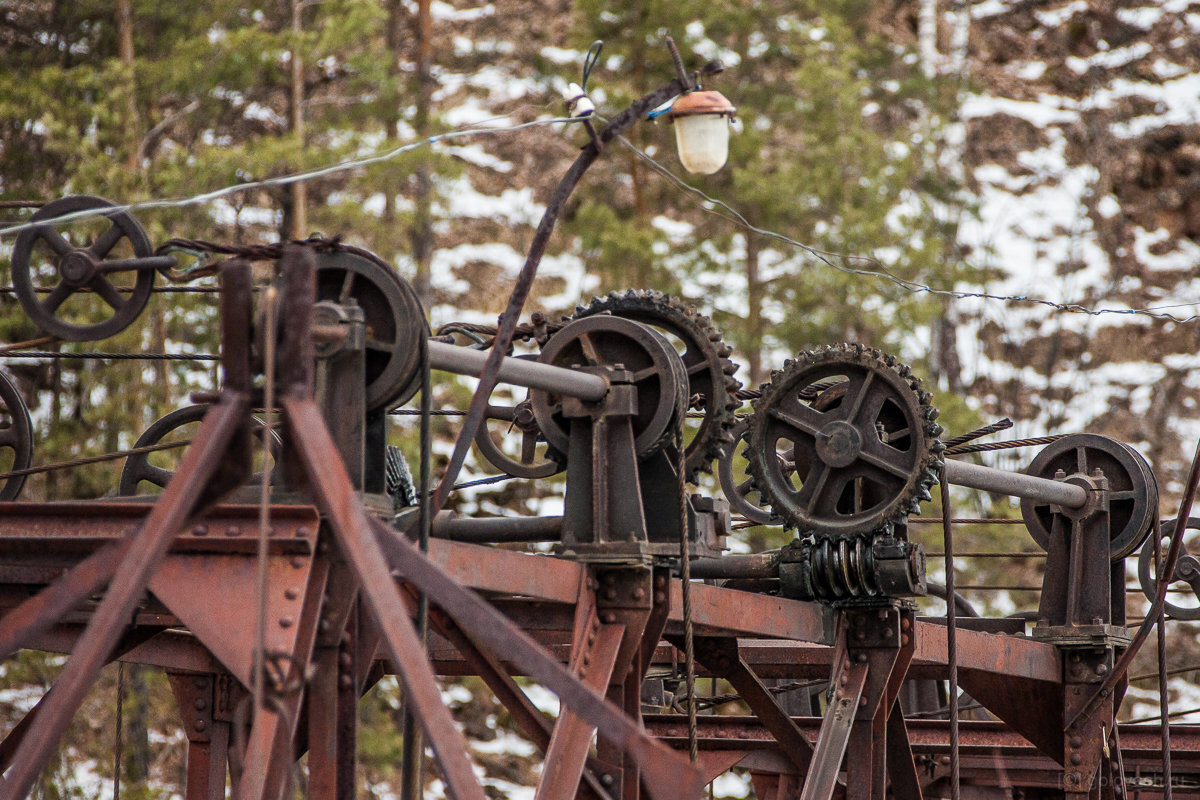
<point>1015,484</point>
<point>530,374</point>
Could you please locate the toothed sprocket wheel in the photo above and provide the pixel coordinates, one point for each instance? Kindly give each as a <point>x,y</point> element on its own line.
<point>706,357</point>
<point>848,465</point>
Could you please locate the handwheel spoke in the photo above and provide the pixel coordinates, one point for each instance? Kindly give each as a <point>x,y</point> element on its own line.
<point>108,293</point>
<point>859,397</point>
<point>156,475</point>
<point>107,241</point>
<point>589,349</point>
<point>58,294</point>
<point>347,285</point>
<point>814,486</point>
<point>802,418</point>
<point>881,463</point>
<point>10,437</point>
<point>56,240</point>
<point>642,374</point>
<point>528,446</point>
<point>379,345</point>
<point>1124,494</point>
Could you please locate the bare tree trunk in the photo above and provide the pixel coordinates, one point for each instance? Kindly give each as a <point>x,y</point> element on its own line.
<point>299,190</point>
<point>927,37</point>
<point>754,305</point>
<point>422,230</point>
<point>125,54</point>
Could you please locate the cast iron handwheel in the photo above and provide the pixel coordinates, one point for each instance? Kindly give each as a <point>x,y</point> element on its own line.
<point>18,436</point>
<point>520,418</point>
<point>83,268</point>
<point>863,459</point>
<point>658,374</point>
<point>738,494</point>
<point>1133,491</point>
<point>395,321</point>
<point>1187,568</point>
<point>138,467</point>
<point>705,357</point>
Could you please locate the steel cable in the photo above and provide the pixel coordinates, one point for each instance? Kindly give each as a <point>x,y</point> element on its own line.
<point>100,356</point>
<point>951,636</point>
<point>685,580</point>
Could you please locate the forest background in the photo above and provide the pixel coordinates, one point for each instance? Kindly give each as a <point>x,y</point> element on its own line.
<point>1026,149</point>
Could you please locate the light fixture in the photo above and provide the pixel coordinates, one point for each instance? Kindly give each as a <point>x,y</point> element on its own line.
<point>701,121</point>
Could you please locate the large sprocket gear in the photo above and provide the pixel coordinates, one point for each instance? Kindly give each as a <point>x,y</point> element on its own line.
<point>852,466</point>
<point>706,357</point>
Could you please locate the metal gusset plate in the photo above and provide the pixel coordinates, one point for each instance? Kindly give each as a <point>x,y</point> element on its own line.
<point>395,321</point>
<point>518,422</point>
<point>16,438</point>
<point>706,358</point>
<point>1187,568</point>
<point>100,270</point>
<point>843,442</point>
<point>139,466</point>
<point>658,374</point>
<point>1133,491</point>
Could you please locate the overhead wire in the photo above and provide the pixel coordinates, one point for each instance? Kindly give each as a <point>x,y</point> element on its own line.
<point>830,259</point>
<point>290,178</point>
<point>712,204</point>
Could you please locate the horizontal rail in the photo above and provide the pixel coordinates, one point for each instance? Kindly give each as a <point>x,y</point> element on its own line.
<point>519,371</point>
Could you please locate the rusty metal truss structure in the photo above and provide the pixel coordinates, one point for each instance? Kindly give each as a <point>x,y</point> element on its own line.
<point>275,600</point>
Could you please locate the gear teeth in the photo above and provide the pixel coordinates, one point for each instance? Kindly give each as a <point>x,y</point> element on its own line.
<point>809,368</point>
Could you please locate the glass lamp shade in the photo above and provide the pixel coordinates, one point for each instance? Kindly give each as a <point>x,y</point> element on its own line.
<point>702,130</point>
<point>703,142</point>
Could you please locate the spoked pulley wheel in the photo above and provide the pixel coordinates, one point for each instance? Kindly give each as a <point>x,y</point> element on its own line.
<point>531,462</point>
<point>1132,489</point>
<point>606,341</point>
<point>395,321</point>
<point>1187,568</point>
<point>843,442</point>
<point>16,437</point>
<point>87,299</point>
<point>705,358</point>
<point>138,467</point>
<point>739,489</point>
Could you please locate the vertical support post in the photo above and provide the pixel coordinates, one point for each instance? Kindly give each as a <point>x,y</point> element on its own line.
<point>208,738</point>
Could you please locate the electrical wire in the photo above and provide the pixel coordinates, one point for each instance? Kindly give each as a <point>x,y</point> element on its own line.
<point>879,272</point>
<point>712,205</point>
<point>286,180</point>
